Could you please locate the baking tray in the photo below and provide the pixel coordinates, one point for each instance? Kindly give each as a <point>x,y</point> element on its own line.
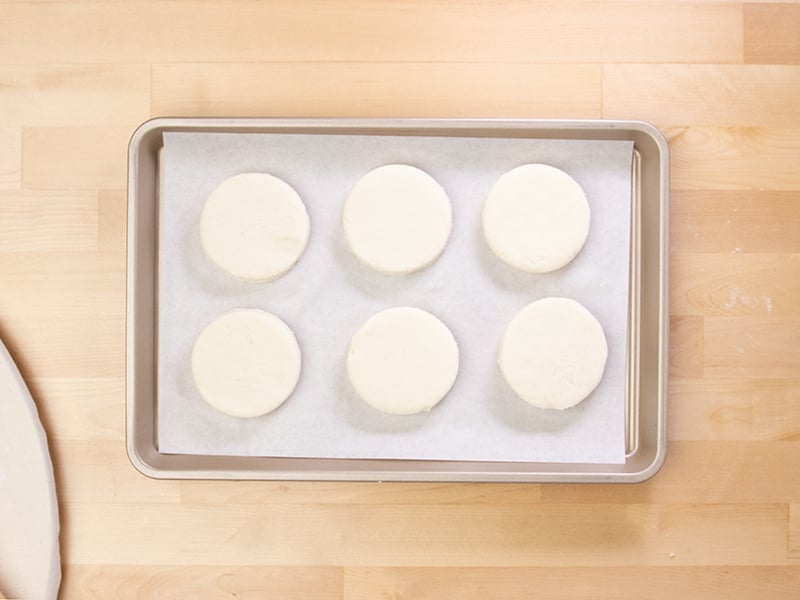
<point>646,393</point>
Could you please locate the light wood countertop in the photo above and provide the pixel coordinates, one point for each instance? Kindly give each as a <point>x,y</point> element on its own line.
<point>721,79</point>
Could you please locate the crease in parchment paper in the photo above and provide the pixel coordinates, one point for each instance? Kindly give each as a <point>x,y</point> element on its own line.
<point>329,293</point>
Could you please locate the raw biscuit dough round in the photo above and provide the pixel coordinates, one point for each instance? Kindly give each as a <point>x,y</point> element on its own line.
<point>553,353</point>
<point>402,361</point>
<point>246,363</point>
<point>397,219</point>
<point>536,218</point>
<point>254,226</point>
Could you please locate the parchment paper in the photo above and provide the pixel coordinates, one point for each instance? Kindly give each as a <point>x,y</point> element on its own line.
<point>328,294</point>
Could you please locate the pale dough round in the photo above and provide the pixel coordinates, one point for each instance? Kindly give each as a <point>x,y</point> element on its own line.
<point>536,218</point>
<point>397,219</point>
<point>553,353</point>
<point>402,361</point>
<point>254,226</point>
<point>246,363</point>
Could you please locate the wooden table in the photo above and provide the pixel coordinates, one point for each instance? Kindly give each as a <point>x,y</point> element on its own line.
<point>721,79</point>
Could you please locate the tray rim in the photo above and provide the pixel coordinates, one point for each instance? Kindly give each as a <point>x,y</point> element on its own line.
<point>383,471</point>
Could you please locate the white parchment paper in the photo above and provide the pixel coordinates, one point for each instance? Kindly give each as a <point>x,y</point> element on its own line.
<point>328,294</point>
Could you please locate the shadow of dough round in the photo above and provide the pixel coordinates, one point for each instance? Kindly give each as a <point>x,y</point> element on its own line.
<point>246,363</point>
<point>553,353</point>
<point>536,218</point>
<point>397,219</point>
<point>402,361</point>
<point>254,226</point>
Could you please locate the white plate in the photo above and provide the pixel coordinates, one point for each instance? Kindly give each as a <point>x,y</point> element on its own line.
<point>30,567</point>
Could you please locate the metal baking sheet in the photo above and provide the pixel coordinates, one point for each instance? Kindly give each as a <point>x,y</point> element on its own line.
<point>645,452</point>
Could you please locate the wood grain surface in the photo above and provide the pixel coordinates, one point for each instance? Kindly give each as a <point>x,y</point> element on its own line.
<point>720,78</point>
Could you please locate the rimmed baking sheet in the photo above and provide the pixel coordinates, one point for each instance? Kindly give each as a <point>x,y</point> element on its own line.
<point>644,425</point>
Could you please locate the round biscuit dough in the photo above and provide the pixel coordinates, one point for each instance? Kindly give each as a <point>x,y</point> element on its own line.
<point>553,353</point>
<point>536,218</point>
<point>246,363</point>
<point>402,361</point>
<point>254,226</point>
<point>397,219</point>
